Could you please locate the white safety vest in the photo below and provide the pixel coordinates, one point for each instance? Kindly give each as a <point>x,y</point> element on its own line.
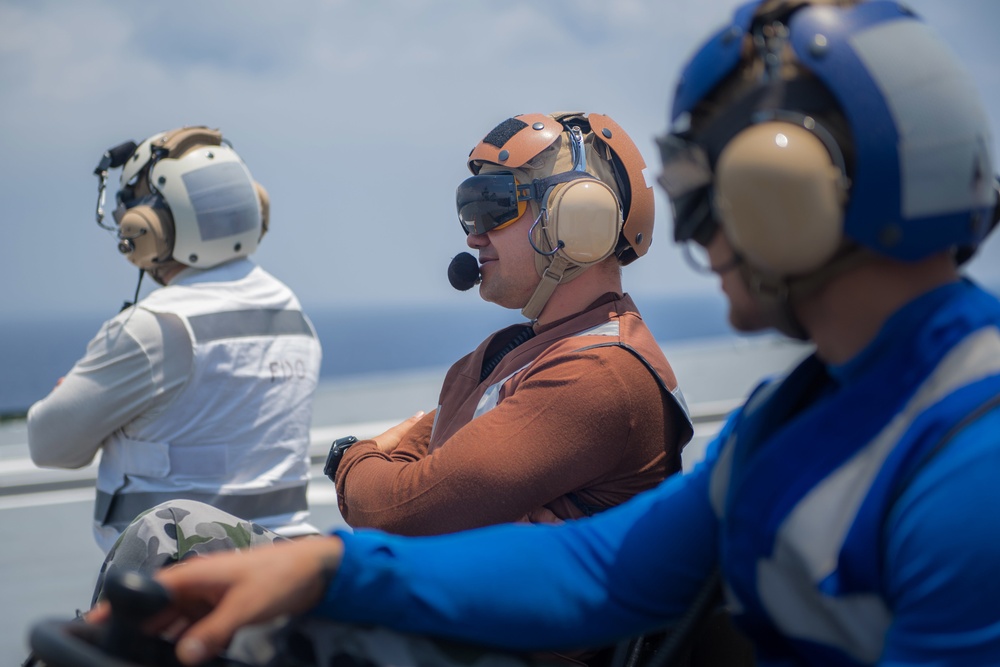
<point>237,434</point>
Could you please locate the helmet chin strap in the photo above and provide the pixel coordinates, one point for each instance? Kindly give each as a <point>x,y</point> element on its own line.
<point>551,277</point>
<point>554,267</point>
<point>777,295</point>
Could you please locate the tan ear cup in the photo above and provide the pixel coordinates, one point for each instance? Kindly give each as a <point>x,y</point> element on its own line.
<point>147,236</point>
<point>780,197</point>
<point>585,216</point>
<point>265,207</point>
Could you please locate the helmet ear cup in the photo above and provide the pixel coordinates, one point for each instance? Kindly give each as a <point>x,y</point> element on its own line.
<point>780,195</point>
<point>585,217</point>
<point>147,236</point>
<point>264,200</point>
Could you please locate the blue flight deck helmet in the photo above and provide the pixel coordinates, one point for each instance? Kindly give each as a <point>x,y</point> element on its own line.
<point>853,113</point>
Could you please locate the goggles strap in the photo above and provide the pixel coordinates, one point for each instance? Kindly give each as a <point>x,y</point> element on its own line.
<point>537,188</point>
<point>551,278</point>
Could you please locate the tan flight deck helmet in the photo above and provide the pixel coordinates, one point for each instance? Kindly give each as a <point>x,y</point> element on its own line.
<point>186,197</point>
<point>586,184</point>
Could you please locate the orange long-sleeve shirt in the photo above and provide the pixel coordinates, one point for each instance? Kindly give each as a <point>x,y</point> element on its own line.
<point>584,419</point>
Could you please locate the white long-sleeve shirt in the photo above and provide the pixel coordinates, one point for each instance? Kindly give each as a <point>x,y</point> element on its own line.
<point>202,391</point>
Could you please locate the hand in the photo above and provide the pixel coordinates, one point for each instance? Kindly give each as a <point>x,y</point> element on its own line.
<point>389,440</point>
<point>215,595</point>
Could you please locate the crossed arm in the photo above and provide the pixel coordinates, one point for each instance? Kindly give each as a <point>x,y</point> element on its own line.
<point>595,420</point>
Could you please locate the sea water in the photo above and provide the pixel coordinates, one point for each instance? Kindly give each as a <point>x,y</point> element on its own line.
<point>357,340</point>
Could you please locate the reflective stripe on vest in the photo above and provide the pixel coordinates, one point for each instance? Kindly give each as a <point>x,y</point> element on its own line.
<point>802,557</point>
<point>247,323</point>
<point>491,398</point>
<point>120,509</point>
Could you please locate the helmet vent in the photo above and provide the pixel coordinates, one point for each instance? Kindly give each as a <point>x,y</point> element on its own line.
<point>503,132</point>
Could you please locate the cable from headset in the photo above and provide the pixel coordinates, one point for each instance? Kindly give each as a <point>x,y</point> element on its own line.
<point>135,299</point>
<point>559,244</point>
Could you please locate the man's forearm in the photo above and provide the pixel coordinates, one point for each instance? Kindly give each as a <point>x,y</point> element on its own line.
<point>55,439</point>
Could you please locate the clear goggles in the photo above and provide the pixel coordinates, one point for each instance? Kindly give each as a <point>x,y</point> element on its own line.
<point>491,201</point>
<point>687,179</point>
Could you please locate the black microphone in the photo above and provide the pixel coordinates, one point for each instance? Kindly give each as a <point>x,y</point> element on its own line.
<point>121,152</point>
<point>115,157</point>
<point>463,272</point>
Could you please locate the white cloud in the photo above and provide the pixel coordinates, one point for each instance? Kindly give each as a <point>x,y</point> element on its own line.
<point>357,117</point>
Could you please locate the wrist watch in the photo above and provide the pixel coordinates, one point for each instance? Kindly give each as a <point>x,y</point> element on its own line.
<point>337,450</point>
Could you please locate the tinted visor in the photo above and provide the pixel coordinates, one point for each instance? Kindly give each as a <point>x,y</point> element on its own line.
<point>490,201</point>
<point>687,180</point>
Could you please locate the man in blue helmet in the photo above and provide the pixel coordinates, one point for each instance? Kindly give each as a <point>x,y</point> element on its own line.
<point>849,508</point>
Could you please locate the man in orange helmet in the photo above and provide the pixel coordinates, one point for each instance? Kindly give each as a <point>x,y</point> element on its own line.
<point>575,410</point>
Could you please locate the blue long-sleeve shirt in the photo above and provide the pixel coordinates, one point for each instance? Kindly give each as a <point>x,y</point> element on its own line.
<point>639,566</point>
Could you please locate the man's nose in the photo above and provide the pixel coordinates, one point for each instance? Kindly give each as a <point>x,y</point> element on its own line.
<point>477,240</point>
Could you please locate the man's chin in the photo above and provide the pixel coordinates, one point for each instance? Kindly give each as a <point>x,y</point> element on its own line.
<point>745,323</point>
<point>503,300</point>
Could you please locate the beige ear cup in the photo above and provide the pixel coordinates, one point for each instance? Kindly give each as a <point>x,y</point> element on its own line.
<point>780,197</point>
<point>265,207</point>
<point>584,215</point>
<point>151,232</point>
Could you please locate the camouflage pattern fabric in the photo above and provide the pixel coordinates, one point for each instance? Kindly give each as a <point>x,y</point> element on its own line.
<point>175,530</point>
<point>180,529</point>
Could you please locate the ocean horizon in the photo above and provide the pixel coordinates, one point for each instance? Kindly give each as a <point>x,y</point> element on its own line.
<point>357,340</point>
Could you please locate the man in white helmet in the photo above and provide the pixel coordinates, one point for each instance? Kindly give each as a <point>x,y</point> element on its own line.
<point>203,389</point>
<point>836,162</point>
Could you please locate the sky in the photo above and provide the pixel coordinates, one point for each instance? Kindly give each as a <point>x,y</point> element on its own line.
<point>356,115</point>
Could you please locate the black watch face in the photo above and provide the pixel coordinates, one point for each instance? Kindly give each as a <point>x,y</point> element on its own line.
<point>337,450</point>
<point>330,468</point>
